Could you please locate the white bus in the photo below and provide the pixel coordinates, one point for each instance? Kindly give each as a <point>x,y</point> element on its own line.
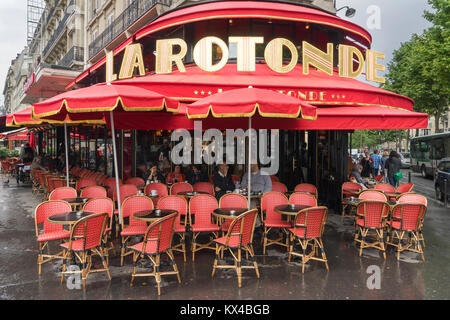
<point>427,151</point>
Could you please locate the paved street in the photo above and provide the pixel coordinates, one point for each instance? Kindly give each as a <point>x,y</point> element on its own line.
<point>409,278</point>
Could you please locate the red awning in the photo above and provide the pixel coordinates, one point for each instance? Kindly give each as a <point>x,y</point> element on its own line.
<point>20,134</point>
<point>329,118</point>
<point>316,88</point>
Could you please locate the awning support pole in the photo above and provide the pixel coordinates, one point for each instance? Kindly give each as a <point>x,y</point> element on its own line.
<point>67,154</point>
<point>249,161</point>
<point>116,169</point>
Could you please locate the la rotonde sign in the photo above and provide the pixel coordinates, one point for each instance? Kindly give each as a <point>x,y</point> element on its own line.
<point>246,58</point>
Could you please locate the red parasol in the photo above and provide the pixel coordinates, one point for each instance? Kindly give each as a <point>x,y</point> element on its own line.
<point>246,103</point>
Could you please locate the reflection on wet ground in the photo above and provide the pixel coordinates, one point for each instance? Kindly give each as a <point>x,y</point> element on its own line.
<point>408,278</point>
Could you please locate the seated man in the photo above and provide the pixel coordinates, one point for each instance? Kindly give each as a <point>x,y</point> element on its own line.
<point>259,182</point>
<point>222,181</point>
<point>356,173</point>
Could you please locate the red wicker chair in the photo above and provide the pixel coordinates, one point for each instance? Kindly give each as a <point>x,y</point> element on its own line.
<point>93,192</point>
<point>157,240</point>
<point>405,226</point>
<point>273,219</point>
<point>131,205</point>
<point>274,179</point>
<point>371,217</point>
<point>306,187</point>
<point>415,198</point>
<point>56,183</point>
<point>231,200</point>
<point>202,206</point>
<point>63,193</point>
<point>349,189</point>
<point>161,190</point>
<point>179,204</point>
<point>126,190</point>
<point>384,187</point>
<point>136,181</point>
<point>204,187</point>
<point>238,238</point>
<point>279,187</point>
<point>304,199</point>
<point>379,178</point>
<point>85,241</point>
<point>83,183</point>
<point>372,195</point>
<point>100,205</point>
<point>309,225</point>
<point>176,188</point>
<point>110,183</point>
<point>49,231</point>
<point>404,188</point>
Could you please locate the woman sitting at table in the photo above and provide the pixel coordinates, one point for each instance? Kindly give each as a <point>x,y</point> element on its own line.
<point>175,176</point>
<point>155,175</point>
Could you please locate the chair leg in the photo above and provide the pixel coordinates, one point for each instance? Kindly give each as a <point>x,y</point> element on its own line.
<point>255,264</point>
<point>215,260</point>
<point>157,275</point>
<point>174,264</point>
<point>194,246</point>
<point>239,269</point>
<point>324,257</point>
<point>133,271</point>
<point>105,262</point>
<point>122,250</point>
<point>65,255</point>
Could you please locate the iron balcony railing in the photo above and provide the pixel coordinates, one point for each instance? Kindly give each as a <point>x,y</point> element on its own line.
<point>134,11</point>
<point>60,29</point>
<point>76,54</point>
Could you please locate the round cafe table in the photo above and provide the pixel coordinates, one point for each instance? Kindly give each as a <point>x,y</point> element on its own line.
<point>76,202</point>
<point>287,209</point>
<point>190,194</point>
<point>152,215</point>
<point>229,212</point>
<point>69,218</point>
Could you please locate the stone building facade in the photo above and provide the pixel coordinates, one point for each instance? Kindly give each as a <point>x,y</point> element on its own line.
<point>74,34</point>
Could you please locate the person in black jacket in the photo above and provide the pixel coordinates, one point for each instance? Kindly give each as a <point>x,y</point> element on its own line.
<point>194,175</point>
<point>154,175</point>
<point>393,165</point>
<point>222,181</point>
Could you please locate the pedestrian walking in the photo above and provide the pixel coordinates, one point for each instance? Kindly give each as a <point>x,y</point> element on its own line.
<point>393,166</point>
<point>375,163</point>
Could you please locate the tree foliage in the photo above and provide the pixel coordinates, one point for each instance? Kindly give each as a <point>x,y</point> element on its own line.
<point>420,68</point>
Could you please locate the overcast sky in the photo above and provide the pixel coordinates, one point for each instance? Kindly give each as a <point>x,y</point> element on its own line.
<point>399,19</point>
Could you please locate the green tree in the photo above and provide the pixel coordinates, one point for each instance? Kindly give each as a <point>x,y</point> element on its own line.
<point>420,68</point>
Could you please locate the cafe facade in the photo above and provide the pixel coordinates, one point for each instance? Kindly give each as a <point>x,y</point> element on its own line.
<point>198,50</point>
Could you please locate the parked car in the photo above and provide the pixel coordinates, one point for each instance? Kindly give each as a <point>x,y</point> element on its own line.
<point>406,160</point>
<point>441,177</point>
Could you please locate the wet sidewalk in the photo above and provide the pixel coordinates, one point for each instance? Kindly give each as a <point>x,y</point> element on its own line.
<point>409,278</point>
